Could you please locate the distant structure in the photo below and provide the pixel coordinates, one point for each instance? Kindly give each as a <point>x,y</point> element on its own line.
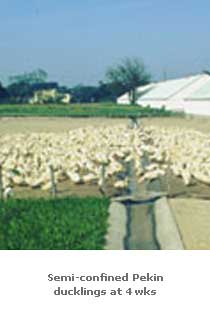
<point>50,96</point>
<point>190,94</point>
<point>49,93</point>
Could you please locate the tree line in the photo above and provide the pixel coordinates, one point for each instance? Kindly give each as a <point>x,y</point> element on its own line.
<point>126,76</point>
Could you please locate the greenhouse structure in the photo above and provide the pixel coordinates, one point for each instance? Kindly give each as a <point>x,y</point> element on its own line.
<point>190,94</point>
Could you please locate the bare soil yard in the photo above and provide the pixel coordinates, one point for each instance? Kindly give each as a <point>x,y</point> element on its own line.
<point>40,124</point>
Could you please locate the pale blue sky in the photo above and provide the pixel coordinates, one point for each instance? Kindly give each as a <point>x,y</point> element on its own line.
<point>75,41</point>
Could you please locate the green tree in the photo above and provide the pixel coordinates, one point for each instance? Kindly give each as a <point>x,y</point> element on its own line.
<point>105,92</point>
<point>37,76</point>
<point>127,76</point>
<point>19,92</point>
<point>3,93</point>
<point>87,94</point>
<point>22,86</point>
<point>84,94</point>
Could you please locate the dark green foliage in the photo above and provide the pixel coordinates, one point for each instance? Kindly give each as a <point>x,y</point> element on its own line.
<point>22,87</point>
<point>82,110</point>
<point>127,76</point>
<point>83,94</point>
<point>88,94</point>
<point>21,92</point>
<point>60,224</point>
<point>36,76</point>
<point>3,93</point>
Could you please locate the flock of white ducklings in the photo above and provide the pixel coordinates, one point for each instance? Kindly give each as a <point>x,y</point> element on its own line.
<point>80,155</point>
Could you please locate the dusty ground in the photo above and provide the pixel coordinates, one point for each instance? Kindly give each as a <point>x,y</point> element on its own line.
<point>26,125</point>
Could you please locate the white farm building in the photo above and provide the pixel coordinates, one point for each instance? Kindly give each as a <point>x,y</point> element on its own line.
<point>190,94</point>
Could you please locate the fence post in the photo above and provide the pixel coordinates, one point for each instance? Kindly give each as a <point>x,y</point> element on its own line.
<point>1,184</point>
<point>53,184</point>
<point>134,122</point>
<point>133,188</point>
<point>145,160</point>
<point>103,180</point>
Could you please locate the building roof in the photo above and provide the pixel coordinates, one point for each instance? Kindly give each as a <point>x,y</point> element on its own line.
<point>167,89</point>
<point>195,87</point>
<point>202,93</point>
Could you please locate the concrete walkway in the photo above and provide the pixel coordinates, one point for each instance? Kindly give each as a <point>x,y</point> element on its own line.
<point>193,220</point>
<point>174,224</point>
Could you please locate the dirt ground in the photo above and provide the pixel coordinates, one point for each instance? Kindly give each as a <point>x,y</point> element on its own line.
<point>42,124</point>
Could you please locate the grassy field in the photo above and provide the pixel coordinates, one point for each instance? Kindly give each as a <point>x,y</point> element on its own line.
<point>62,224</point>
<point>80,110</point>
